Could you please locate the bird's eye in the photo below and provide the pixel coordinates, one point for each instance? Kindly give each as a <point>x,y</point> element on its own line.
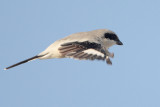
<point>110,36</point>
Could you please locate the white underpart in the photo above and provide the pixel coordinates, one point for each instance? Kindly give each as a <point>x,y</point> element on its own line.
<point>94,52</point>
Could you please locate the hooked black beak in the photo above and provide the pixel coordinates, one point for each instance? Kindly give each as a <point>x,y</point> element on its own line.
<point>119,43</point>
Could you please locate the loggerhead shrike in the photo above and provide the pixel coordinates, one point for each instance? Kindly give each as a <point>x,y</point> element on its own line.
<point>89,45</point>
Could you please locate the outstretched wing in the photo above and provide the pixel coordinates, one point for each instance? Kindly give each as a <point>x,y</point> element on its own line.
<point>83,50</point>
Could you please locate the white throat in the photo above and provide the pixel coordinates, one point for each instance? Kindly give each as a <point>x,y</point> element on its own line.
<point>109,43</point>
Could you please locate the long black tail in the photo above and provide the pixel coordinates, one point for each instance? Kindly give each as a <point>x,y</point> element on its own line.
<point>22,62</point>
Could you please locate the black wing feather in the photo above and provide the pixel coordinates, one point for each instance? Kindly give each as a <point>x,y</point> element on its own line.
<point>76,50</point>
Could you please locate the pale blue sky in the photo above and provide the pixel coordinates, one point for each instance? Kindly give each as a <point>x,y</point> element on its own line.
<point>27,27</point>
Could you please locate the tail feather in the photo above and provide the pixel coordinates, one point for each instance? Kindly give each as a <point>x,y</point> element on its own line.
<point>22,62</point>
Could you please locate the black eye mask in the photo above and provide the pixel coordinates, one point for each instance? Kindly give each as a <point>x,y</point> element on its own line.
<point>111,36</point>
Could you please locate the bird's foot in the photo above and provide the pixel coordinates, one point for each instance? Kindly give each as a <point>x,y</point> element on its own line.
<point>111,55</point>
<point>108,61</point>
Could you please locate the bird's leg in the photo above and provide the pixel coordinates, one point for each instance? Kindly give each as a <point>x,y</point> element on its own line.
<point>108,61</point>
<point>110,54</point>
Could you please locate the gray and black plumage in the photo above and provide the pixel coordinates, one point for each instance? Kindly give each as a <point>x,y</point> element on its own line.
<point>77,50</point>
<point>91,45</point>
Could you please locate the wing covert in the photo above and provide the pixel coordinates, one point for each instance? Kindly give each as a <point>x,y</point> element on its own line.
<point>83,50</point>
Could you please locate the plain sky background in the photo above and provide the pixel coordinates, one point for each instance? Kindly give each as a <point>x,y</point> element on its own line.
<point>27,27</point>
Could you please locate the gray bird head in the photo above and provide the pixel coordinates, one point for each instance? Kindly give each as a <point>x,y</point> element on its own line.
<point>109,38</point>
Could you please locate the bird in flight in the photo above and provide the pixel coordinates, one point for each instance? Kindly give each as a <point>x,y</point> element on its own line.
<point>91,45</point>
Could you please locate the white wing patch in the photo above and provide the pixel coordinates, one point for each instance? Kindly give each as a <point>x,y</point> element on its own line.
<point>93,52</point>
<point>89,54</point>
